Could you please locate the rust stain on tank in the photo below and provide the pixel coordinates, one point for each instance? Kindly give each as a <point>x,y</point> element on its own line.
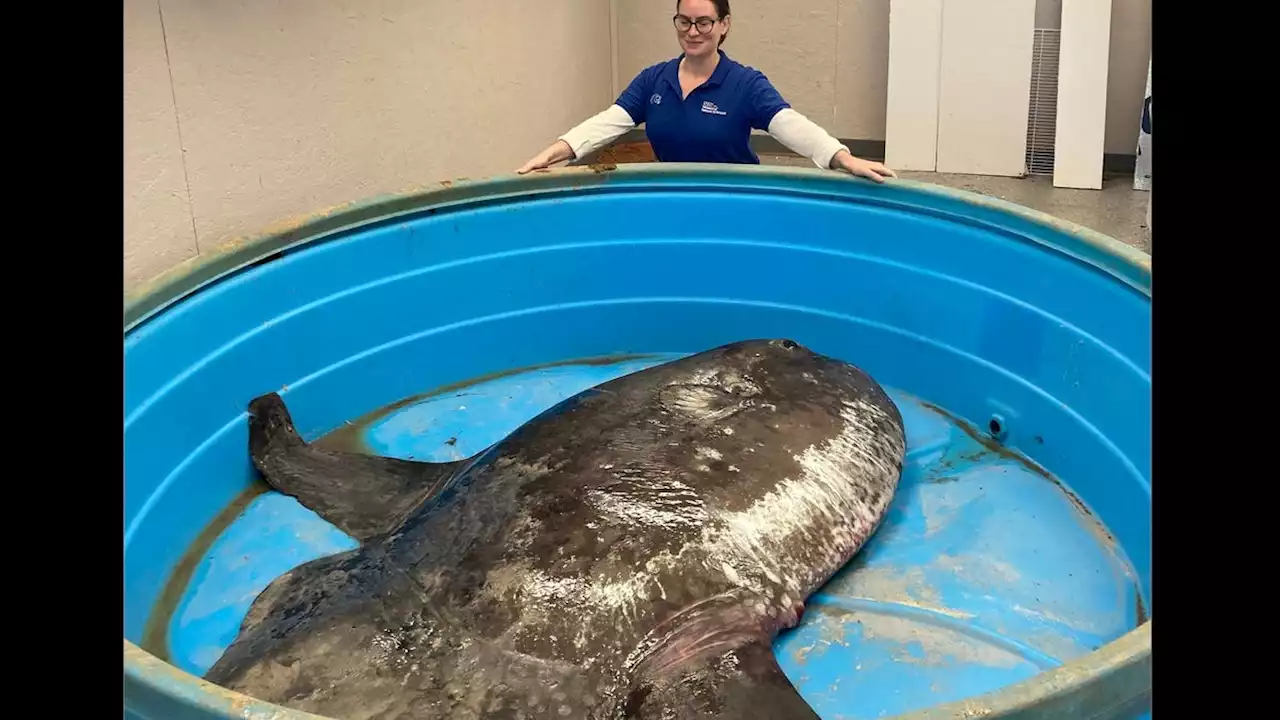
<point>992,446</point>
<point>155,634</point>
<point>632,152</point>
<point>296,222</point>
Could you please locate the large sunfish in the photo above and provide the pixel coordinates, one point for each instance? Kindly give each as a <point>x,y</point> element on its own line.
<point>631,553</point>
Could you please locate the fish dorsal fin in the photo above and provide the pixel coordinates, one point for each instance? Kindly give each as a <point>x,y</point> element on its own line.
<point>362,495</point>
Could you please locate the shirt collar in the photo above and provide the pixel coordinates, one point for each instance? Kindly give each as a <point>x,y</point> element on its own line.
<point>672,74</point>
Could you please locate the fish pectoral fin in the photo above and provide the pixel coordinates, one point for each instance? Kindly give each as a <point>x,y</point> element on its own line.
<point>743,682</point>
<point>362,495</point>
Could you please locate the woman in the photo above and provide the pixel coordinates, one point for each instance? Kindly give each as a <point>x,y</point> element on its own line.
<point>702,106</point>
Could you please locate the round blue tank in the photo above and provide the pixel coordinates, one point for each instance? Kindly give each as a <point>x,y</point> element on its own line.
<point>1012,575</point>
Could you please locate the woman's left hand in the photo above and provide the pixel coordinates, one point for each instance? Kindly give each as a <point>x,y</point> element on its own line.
<point>862,168</point>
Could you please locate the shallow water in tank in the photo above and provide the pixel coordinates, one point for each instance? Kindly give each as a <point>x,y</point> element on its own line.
<point>986,570</point>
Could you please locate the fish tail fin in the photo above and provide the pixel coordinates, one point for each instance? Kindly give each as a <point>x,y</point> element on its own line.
<point>271,426</point>
<point>362,495</point>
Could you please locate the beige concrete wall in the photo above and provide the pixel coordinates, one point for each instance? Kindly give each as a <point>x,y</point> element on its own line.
<point>157,215</point>
<point>289,107</point>
<point>239,114</point>
<point>830,58</point>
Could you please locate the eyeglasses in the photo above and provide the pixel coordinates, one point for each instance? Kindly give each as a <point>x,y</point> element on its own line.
<point>704,23</point>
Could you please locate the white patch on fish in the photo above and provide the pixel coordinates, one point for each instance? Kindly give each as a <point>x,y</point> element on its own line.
<point>706,453</point>
<point>818,511</point>
<point>660,502</point>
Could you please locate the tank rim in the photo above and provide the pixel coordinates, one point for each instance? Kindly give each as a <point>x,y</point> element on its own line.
<point>1123,262</point>
<point>1127,655</point>
<point>1130,654</point>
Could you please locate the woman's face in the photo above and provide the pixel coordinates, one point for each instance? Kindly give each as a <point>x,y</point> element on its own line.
<point>698,27</point>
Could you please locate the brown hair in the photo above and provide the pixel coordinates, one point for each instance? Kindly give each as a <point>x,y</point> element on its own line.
<point>722,9</point>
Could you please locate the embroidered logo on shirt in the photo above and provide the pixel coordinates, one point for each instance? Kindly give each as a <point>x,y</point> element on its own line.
<point>656,99</point>
<point>711,109</point>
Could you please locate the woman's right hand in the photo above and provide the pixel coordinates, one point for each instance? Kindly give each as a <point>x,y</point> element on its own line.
<point>558,151</point>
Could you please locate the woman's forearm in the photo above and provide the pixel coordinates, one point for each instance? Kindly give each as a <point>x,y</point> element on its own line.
<point>597,131</point>
<point>558,151</point>
<point>805,138</point>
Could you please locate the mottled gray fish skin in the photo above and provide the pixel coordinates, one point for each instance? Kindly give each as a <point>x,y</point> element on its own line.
<point>629,554</point>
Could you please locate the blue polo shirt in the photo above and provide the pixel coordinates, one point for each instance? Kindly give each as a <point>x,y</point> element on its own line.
<point>714,123</point>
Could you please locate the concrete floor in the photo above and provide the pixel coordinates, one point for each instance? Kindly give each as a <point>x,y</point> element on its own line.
<point>1116,210</point>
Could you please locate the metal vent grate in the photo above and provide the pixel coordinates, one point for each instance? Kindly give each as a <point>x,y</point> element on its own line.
<point>1043,116</point>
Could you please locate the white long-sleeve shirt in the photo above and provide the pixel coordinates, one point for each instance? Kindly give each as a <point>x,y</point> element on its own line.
<point>795,131</point>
